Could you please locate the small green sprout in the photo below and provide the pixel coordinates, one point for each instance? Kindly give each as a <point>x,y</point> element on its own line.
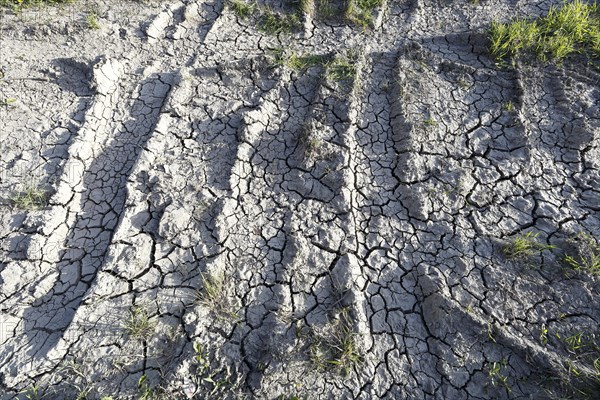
<point>544,335</point>
<point>8,101</point>
<point>575,342</point>
<point>509,106</point>
<point>430,121</point>
<point>496,375</point>
<point>146,392</point>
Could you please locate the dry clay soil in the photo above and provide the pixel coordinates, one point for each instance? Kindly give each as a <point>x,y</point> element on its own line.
<point>221,225</point>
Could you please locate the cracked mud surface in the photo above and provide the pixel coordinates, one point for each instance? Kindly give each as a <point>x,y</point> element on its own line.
<point>179,157</point>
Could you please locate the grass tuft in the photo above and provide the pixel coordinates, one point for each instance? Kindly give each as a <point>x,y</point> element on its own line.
<point>139,324</point>
<point>360,12</point>
<point>213,295</point>
<point>572,28</point>
<point>33,392</point>
<point>273,23</point>
<point>306,6</point>
<point>342,67</point>
<point>241,8</point>
<point>269,20</point>
<point>338,347</point>
<point>497,376</point>
<point>92,21</point>
<point>587,258</point>
<point>213,289</point>
<point>524,245</point>
<point>303,62</point>
<point>33,197</point>
<point>31,3</point>
<point>298,62</point>
<point>580,378</point>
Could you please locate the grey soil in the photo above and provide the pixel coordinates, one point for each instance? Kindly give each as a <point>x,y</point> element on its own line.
<point>281,233</point>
